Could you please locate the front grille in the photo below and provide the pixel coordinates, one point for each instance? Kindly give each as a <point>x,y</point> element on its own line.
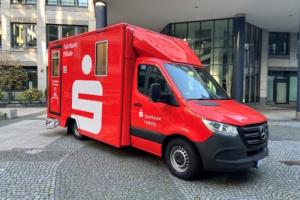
<point>255,135</point>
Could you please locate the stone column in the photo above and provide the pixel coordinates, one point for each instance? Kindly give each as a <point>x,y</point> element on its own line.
<point>5,26</point>
<point>41,45</point>
<point>239,48</point>
<point>101,14</point>
<point>91,14</point>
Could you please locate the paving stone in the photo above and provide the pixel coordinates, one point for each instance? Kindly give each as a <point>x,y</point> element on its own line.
<point>72,169</point>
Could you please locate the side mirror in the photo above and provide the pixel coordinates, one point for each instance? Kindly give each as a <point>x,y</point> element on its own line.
<point>154,92</point>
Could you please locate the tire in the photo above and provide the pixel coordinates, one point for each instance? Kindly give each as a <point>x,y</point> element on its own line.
<point>74,129</point>
<point>183,159</point>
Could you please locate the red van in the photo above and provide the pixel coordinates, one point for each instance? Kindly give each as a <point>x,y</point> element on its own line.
<point>127,86</point>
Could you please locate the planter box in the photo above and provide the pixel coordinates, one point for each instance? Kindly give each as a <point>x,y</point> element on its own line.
<point>10,113</point>
<point>2,116</point>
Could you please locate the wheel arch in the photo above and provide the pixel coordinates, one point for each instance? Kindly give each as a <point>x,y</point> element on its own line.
<point>172,137</point>
<point>69,122</point>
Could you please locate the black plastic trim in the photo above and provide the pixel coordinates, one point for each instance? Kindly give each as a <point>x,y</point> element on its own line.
<point>207,103</point>
<point>225,154</point>
<point>147,134</point>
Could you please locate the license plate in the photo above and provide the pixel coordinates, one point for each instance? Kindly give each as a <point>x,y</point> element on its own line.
<point>261,162</point>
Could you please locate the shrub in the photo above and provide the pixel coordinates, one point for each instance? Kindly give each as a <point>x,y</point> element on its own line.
<point>1,95</point>
<point>32,94</point>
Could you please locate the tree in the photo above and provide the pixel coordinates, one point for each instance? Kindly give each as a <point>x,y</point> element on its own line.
<point>12,75</point>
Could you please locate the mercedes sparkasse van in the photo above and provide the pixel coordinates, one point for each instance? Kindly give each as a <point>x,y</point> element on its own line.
<point>127,86</point>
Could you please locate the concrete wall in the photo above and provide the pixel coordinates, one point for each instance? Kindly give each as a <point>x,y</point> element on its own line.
<point>40,14</point>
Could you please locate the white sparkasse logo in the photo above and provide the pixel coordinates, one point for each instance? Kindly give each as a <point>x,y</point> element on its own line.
<point>92,125</point>
<point>141,114</point>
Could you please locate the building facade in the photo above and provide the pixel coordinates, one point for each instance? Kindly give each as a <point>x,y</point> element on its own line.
<point>267,51</point>
<point>270,58</point>
<point>28,25</point>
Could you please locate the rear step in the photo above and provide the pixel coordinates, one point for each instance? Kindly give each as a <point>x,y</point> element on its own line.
<point>55,123</point>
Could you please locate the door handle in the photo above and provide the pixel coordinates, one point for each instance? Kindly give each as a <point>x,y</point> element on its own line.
<point>137,104</point>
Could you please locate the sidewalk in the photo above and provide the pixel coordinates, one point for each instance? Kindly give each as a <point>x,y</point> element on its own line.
<point>271,112</point>
<point>277,112</point>
<point>23,111</point>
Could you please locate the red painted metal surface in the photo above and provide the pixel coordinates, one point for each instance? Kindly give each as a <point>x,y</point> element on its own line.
<point>103,106</point>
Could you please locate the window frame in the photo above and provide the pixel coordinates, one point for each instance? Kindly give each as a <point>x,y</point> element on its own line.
<point>24,36</point>
<point>76,4</point>
<point>277,34</point>
<point>100,42</point>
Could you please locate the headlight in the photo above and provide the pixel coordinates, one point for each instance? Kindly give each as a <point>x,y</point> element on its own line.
<point>220,128</point>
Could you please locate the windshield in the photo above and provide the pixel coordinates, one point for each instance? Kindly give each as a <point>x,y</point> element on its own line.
<point>195,83</point>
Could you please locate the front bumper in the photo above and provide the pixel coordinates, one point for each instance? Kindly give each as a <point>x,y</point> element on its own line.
<point>226,154</point>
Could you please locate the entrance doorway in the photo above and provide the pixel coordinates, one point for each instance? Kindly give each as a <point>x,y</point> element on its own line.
<point>282,87</point>
<point>281,94</point>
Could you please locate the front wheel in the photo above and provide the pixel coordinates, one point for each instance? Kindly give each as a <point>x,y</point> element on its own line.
<point>75,132</point>
<point>183,159</point>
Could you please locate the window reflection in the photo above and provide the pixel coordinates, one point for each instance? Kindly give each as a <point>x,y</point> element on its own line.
<point>212,41</point>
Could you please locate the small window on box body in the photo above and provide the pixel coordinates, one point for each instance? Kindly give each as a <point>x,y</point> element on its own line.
<point>101,59</point>
<point>55,63</point>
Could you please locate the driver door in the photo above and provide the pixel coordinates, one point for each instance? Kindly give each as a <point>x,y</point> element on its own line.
<point>148,119</point>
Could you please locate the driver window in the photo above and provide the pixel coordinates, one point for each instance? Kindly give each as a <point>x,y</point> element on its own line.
<point>147,75</point>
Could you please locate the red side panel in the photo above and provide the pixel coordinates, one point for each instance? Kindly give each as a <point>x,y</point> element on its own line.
<point>129,50</point>
<point>146,145</point>
<point>151,44</point>
<point>95,101</point>
<point>129,69</point>
<point>130,57</point>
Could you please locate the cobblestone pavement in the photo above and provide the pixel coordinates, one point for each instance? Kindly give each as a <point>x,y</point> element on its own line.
<point>72,169</point>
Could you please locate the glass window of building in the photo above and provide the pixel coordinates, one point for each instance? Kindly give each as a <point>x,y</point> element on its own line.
<point>221,33</point>
<point>212,42</point>
<point>31,35</point>
<point>24,35</point>
<point>52,2</point>
<point>68,31</point>
<point>181,31</point>
<point>31,77</point>
<point>23,1</point>
<point>293,88</point>
<point>18,40</point>
<point>252,51</point>
<point>194,37</point>
<point>56,32</point>
<point>278,43</point>
<point>83,3</point>
<point>68,2</point>
<point>52,33</point>
<point>80,3</point>
<point>82,29</point>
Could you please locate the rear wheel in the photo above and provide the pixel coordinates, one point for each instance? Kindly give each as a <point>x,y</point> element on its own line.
<point>183,159</point>
<point>75,132</point>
